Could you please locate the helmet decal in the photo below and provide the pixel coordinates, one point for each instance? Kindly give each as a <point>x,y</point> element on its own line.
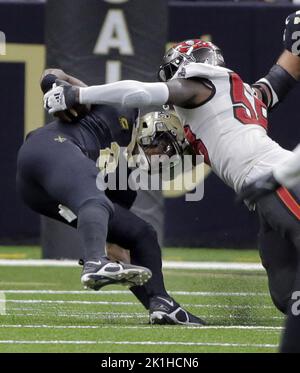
<point>191,45</point>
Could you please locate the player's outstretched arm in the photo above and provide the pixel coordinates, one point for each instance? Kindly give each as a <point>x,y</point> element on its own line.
<point>179,92</point>
<point>285,74</point>
<point>130,93</point>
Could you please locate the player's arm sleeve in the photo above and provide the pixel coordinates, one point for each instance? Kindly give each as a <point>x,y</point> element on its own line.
<point>283,76</point>
<point>129,93</point>
<point>288,172</point>
<point>186,93</point>
<point>275,86</point>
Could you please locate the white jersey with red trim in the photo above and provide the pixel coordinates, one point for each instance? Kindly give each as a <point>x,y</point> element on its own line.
<point>230,128</point>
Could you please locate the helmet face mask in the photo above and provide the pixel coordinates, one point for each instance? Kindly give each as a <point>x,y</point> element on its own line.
<point>160,140</point>
<point>190,51</point>
<point>162,144</point>
<point>166,71</point>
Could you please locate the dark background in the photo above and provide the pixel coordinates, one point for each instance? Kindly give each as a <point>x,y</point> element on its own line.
<point>250,36</point>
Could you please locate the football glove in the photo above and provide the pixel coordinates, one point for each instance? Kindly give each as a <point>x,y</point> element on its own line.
<point>291,36</point>
<point>61,97</point>
<point>260,188</point>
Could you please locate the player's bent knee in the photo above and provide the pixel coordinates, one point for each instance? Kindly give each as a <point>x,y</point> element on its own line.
<point>98,202</point>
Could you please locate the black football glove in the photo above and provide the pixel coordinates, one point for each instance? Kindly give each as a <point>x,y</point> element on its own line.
<point>291,36</point>
<point>71,93</point>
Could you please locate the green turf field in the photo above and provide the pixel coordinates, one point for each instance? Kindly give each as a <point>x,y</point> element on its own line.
<point>48,311</point>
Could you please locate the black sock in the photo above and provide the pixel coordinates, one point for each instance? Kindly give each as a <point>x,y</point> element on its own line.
<point>93,217</point>
<point>140,292</point>
<point>134,234</point>
<point>147,253</point>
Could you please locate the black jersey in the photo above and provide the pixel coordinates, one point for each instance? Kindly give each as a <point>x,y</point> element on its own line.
<point>102,126</point>
<point>106,124</point>
<point>97,130</point>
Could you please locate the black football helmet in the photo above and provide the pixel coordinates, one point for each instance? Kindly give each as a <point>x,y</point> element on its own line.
<point>195,50</point>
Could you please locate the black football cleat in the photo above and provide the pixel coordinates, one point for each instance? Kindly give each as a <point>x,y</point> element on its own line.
<point>165,311</point>
<point>95,275</point>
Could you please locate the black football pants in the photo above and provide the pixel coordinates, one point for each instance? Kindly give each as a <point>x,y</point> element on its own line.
<point>279,246</point>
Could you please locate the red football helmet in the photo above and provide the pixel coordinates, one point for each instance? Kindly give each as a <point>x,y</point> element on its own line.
<point>195,50</point>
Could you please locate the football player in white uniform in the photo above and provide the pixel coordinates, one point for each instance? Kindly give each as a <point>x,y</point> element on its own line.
<point>226,120</point>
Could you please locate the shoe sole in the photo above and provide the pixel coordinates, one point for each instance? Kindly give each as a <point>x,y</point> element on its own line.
<point>162,318</point>
<point>128,277</point>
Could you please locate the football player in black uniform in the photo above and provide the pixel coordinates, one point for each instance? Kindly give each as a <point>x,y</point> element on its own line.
<point>57,177</point>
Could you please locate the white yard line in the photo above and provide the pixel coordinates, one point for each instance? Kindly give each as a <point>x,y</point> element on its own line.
<point>112,292</point>
<point>107,303</point>
<point>87,315</point>
<point>163,343</point>
<point>155,327</point>
<point>166,264</point>
<point>78,302</point>
<point>226,306</point>
<point>2,303</point>
<point>115,315</point>
<point>213,266</point>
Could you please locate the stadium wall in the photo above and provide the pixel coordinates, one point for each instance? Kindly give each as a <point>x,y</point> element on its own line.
<point>21,110</point>
<point>250,37</point>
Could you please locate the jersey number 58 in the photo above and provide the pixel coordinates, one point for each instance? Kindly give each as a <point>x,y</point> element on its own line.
<point>247,108</point>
